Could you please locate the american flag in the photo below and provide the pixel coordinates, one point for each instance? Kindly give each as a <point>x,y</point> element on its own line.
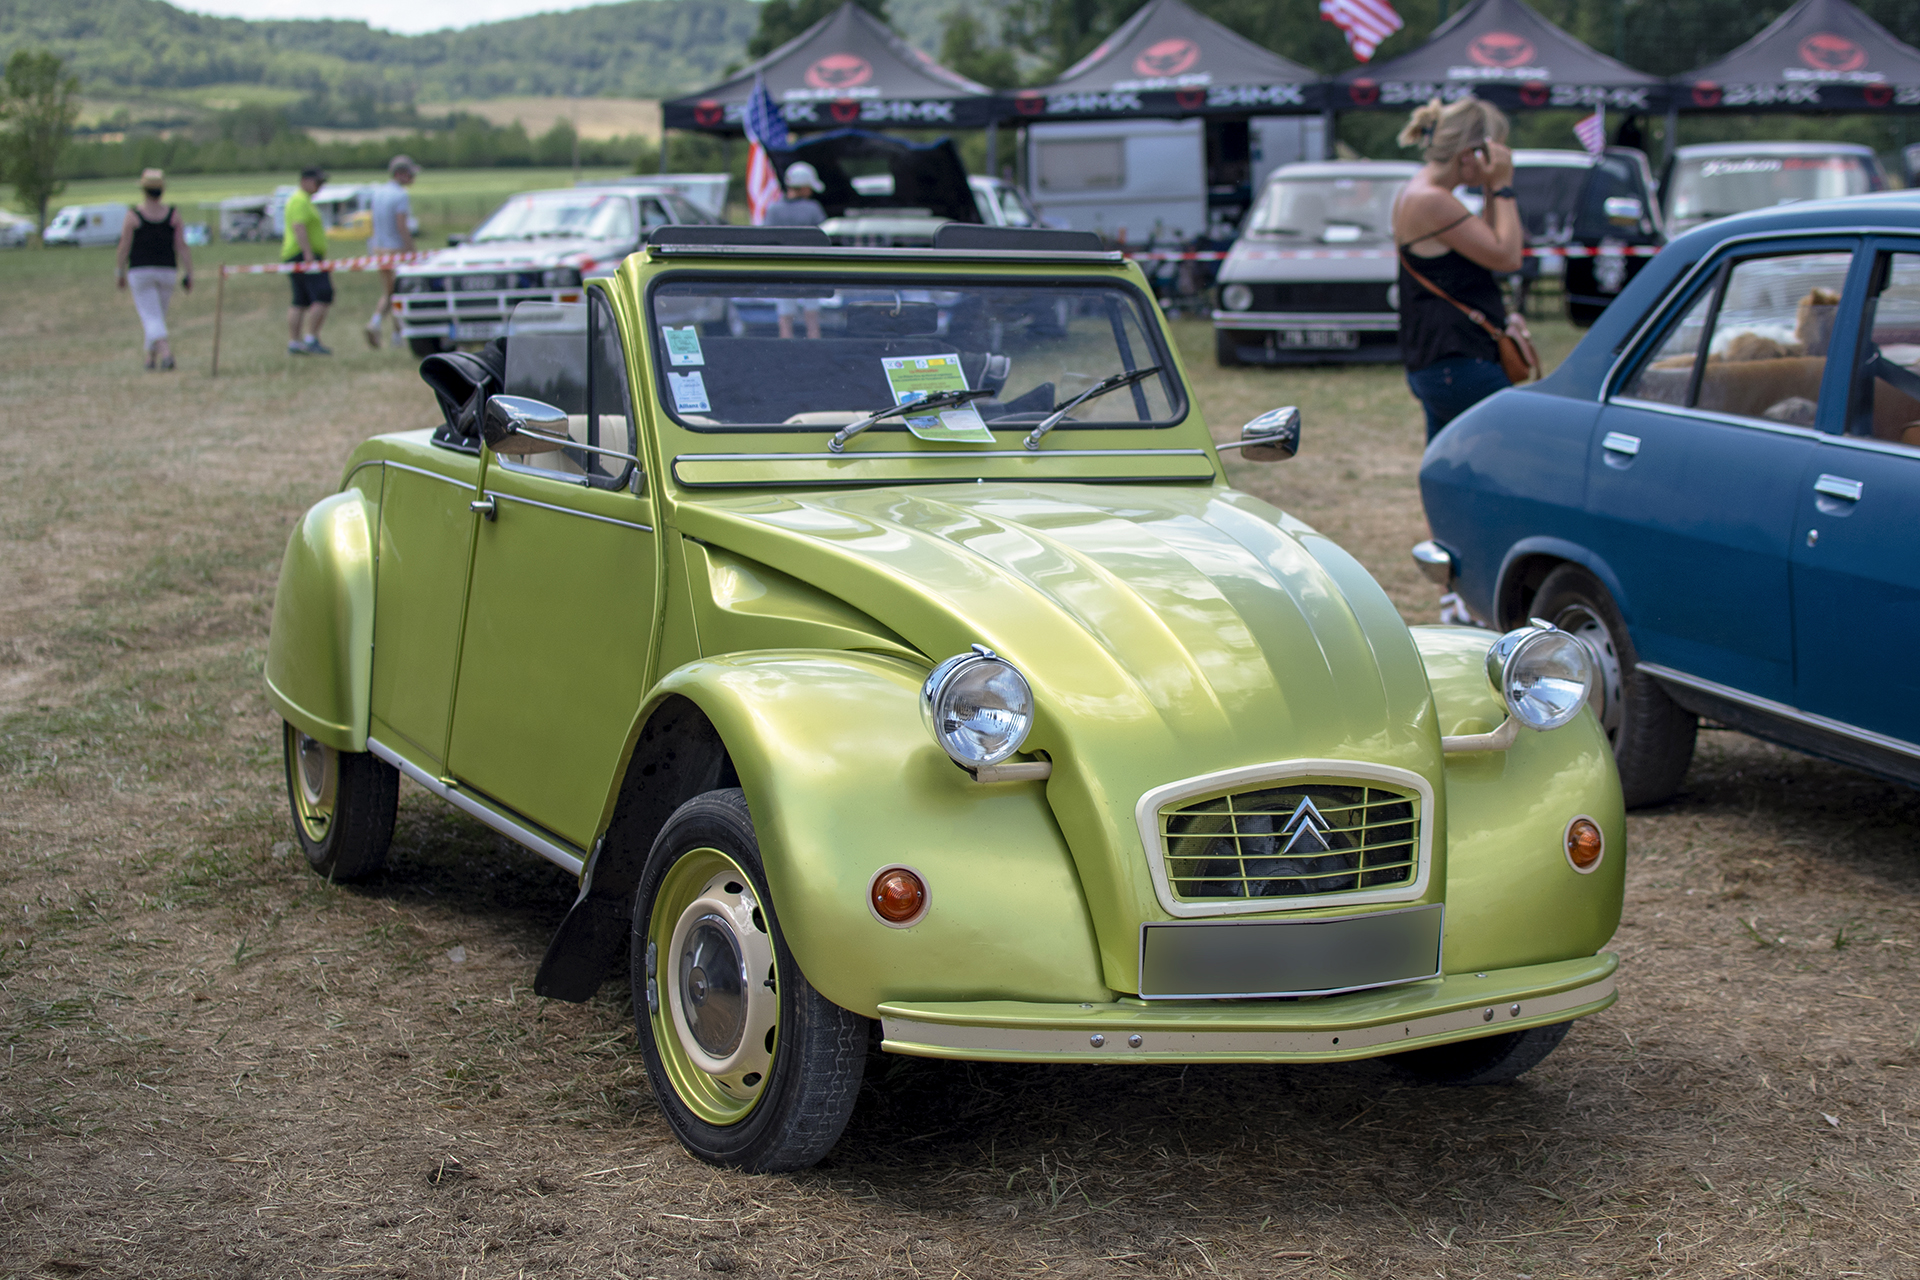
<point>1366,22</point>
<point>766,127</point>
<point>1592,131</point>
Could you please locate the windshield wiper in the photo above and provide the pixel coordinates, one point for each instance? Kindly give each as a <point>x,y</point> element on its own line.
<point>937,401</point>
<point>1100,388</point>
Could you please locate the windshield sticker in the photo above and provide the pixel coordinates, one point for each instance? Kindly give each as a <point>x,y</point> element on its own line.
<point>683,344</point>
<point>689,392</point>
<point>912,378</point>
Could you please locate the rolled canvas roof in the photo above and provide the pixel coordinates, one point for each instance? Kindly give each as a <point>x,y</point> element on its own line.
<point>849,68</point>
<point>1504,52</point>
<point>1820,55</point>
<point>1168,60</point>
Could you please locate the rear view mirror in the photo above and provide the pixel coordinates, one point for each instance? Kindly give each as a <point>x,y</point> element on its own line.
<point>516,425</point>
<point>1274,436</point>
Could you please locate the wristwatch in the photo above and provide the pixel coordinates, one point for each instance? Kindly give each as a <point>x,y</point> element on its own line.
<point>1505,193</point>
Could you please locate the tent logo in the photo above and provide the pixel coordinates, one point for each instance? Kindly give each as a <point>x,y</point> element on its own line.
<point>1829,52</point>
<point>844,111</point>
<point>1877,95</point>
<point>1190,99</point>
<point>708,112</point>
<point>1364,93</point>
<point>839,71</point>
<point>1029,104</point>
<point>1706,94</point>
<point>1167,57</point>
<point>1500,49</point>
<point>1534,93</point>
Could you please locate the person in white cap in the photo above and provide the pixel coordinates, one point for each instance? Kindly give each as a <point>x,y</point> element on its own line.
<point>799,209</point>
<point>391,234</point>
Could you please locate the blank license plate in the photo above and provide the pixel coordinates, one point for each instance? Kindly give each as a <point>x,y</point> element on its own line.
<point>1317,339</point>
<point>1227,959</point>
<point>478,331</point>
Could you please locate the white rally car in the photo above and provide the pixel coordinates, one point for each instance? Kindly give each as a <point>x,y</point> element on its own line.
<point>537,247</point>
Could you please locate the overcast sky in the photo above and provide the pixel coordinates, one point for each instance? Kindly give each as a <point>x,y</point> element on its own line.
<point>395,15</point>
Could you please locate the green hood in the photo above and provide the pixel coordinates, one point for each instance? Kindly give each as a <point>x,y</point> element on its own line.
<point>1167,631</point>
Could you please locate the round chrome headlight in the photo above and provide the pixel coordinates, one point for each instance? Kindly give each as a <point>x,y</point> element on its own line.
<point>978,707</point>
<point>1236,297</point>
<point>1543,674</point>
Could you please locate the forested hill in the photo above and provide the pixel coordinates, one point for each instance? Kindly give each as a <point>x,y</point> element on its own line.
<point>642,48</point>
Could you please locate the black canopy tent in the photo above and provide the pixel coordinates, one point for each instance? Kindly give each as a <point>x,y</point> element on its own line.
<point>847,69</point>
<point>1169,61</point>
<point>1820,55</point>
<point>1505,53</point>
<point>926,175</point>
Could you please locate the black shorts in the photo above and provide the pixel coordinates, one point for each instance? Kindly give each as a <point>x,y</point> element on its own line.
<point>310,287</point>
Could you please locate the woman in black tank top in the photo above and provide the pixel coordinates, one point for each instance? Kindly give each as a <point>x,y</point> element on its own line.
<point>1452,362</point>
<point>153,246</point>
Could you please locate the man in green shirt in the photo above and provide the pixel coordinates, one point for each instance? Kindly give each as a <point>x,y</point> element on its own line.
<point>306,241</point>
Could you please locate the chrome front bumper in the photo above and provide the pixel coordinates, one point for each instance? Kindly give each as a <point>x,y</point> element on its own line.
<point>1358,321</point>
<point>1365,1024</point>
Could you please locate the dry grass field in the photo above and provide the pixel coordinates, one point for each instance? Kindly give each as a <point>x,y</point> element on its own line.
<point>218,1065</point>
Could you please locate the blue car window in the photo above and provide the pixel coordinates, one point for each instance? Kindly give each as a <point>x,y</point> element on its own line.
<point>1771,330</point>
<point>1887,406</point>
<point>1667,376</point>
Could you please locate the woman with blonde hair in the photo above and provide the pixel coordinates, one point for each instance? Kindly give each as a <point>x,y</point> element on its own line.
<point>1450,259</point>
<point>153,246</point>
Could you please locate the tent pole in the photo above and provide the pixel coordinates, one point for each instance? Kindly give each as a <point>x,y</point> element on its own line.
<point>663,149</point>
<point>1328,123</point>
<point>1673,128</point>
<point>993,149</point>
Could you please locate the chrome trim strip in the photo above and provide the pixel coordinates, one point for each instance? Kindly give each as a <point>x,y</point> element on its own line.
<point>568,511</point>
<point>1146,816</point>
<point>1869,444</point>
<point>1621,442</point>
<point>559,854</point>
<point>1783,711</point>
<point>883,254</point>
<point>924,456</point>
<point>1159,1041</point>
<point>1367,321</point>
<point>1729,419</point>
<point>401,466</point>
<point>1840,487</point>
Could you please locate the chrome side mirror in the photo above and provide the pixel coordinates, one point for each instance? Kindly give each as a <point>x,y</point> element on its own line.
<point>1274,436</point>
<point>517,425</point>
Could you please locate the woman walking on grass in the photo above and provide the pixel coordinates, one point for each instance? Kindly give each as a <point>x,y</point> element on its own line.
<point>153,247</point>
<point>1449,259</point>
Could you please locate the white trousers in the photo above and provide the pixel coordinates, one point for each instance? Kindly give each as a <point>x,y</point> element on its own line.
<point>152,290</point>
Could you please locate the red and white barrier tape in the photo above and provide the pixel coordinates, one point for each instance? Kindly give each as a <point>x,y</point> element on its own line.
<point>1294,255</point>
<point>365,262</point>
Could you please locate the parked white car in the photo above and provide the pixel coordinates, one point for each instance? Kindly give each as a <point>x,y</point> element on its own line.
<point>14,230</point>
<point>1000,204</point>
<point>1312,276</point>
<point>537,247</point>
<point>85,225</point>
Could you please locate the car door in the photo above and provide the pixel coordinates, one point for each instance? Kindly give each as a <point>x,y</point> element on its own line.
<point>1694,468</point>
<point>420,586</point>
<point>1856,550</point>
<point>559,619</point>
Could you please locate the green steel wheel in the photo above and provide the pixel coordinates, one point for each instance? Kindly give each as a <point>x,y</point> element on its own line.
<point>752,1067</point>
<point>343,805</point>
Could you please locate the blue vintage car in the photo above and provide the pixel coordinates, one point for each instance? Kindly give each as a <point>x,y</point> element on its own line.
<point>1719,490</point>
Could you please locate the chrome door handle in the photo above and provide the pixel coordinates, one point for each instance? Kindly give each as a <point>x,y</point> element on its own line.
<point>1839,487</point>
<point>484,506</point>
<point>1620,442</point>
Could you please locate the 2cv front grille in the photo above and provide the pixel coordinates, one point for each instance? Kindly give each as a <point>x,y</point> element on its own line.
<point>1304,839</point>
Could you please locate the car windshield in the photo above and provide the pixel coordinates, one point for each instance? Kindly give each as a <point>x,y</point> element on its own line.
<point>1329,210</point>
<point>1716,186</point>
<point>542,215</point>
<point>819,355</point>
<point>1549,199</point>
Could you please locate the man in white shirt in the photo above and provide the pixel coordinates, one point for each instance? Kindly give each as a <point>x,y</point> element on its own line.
<point>391,234</point>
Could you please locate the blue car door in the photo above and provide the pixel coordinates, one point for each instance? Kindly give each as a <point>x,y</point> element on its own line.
<point>1856,553</point>
<point>1695,464</point>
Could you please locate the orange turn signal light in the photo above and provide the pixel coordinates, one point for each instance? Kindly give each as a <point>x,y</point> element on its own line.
<point>1585,844</point>
<point>898,895</point>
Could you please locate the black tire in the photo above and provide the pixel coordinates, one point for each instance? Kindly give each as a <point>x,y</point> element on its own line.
<point>343,806</point>
<point>424,347</point>
<point>774,1102</point>
<point>1498,1059</point>
<point>1226,348</point>
<point>1652,735</point>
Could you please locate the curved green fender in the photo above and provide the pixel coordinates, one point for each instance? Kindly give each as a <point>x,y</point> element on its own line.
<point>1512,896</point>
<point>844,780</point>
<point>320,655</point>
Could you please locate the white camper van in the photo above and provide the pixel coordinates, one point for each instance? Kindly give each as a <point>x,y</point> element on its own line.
<point>1160,180</point>
<point>85,224</point>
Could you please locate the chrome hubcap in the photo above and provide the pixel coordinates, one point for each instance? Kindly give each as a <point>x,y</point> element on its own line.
<point>721,989</point>
<point>1609,683</point>
<point>316,771</point>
